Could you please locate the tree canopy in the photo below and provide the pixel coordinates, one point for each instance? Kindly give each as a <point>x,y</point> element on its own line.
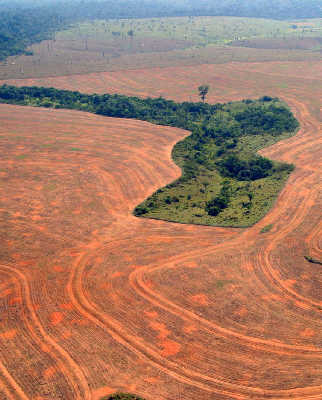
<point>122,396</point>
<point>25,22</point>
<point>217,142</point>
<point>203,91</point>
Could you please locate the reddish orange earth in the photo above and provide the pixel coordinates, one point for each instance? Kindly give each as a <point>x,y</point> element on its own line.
<point>94,300</point>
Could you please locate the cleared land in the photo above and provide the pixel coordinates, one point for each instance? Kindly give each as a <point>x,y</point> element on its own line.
<point>224,182</point>
<point>199,31</point>
<point>144,43</point>
<point>227,82</point>
<point>95,299</point>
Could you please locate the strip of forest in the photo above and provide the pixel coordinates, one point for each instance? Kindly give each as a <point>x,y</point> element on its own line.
<point>224,181</point>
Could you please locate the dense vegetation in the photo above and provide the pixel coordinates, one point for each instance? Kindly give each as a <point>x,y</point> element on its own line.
<point>159,111</point>
<point>219,122</point>
<point>224,181</point>
<point>122,396</point>
<point>21,28</point>
<point>26,22</point>
<point>276,9</point>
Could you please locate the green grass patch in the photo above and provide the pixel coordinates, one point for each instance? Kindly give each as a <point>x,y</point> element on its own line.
<point>50,187</point>
<point>282,85</point>
<point>220,185</point>
<point>220,284</point>
<point>200,31</point>
<point>266,228</point>
<point>186,202</point>
<point>21,156</point>
<point>224,181</point>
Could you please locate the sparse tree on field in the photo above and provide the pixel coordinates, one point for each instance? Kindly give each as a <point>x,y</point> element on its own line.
<point>203,91</point>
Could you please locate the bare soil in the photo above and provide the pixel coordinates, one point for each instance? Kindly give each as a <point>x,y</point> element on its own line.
<point>307,43</point>
<point>70,57</point>
<point>94,300</point>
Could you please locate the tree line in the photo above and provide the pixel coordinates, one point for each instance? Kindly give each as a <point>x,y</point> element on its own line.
<point>155,110</point>
<point>217,129</point>
<point>222,122</point>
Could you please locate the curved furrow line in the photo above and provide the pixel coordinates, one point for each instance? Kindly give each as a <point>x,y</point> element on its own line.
<point>139,274</point>
<point>111,181</point>
<point>88,310</point>
<point>136,279</point>
<point>305,138</point>
<point>180,373</point>
<point>148,168</point>
<point>241,67</point>
<point>265,263</point>
<point>73,373</point>
<point>132,173</point>
<point>12,384</point>
<point>313,240</point>
<point>111,185</point>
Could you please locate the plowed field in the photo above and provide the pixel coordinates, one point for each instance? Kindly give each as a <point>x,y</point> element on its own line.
<point>94,300</point>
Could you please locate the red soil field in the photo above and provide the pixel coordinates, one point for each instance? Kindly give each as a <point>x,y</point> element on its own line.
<point>232,81</point>
<point>70,57</point>
<point>94,300</point>
<point>290,43</point>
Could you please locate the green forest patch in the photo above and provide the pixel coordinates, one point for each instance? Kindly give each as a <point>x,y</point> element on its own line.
<point>266,228</point>
<point>224,181</point>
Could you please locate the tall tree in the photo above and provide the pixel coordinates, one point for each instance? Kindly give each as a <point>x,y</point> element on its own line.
<point>203,91</point>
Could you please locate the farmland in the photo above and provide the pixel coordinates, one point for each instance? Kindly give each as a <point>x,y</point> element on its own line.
<point>218,157</point>
<point>199,31</point>
<point>114,45</point>
<point>98,300</point>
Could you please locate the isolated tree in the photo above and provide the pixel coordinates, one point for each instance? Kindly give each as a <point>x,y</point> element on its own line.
<point>203,91</point>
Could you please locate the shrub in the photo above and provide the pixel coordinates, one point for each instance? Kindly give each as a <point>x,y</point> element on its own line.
<point>312,260</point>
<point>217,204</point>
<point>122,396</point>
<point>140,210</point>
<point>266,228</point>
<point>256,168</point>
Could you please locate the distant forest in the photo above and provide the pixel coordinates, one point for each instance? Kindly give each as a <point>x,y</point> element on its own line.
<point>26,22</point>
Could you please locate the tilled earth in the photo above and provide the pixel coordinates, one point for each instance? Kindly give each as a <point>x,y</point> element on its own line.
<point>94,300</point>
